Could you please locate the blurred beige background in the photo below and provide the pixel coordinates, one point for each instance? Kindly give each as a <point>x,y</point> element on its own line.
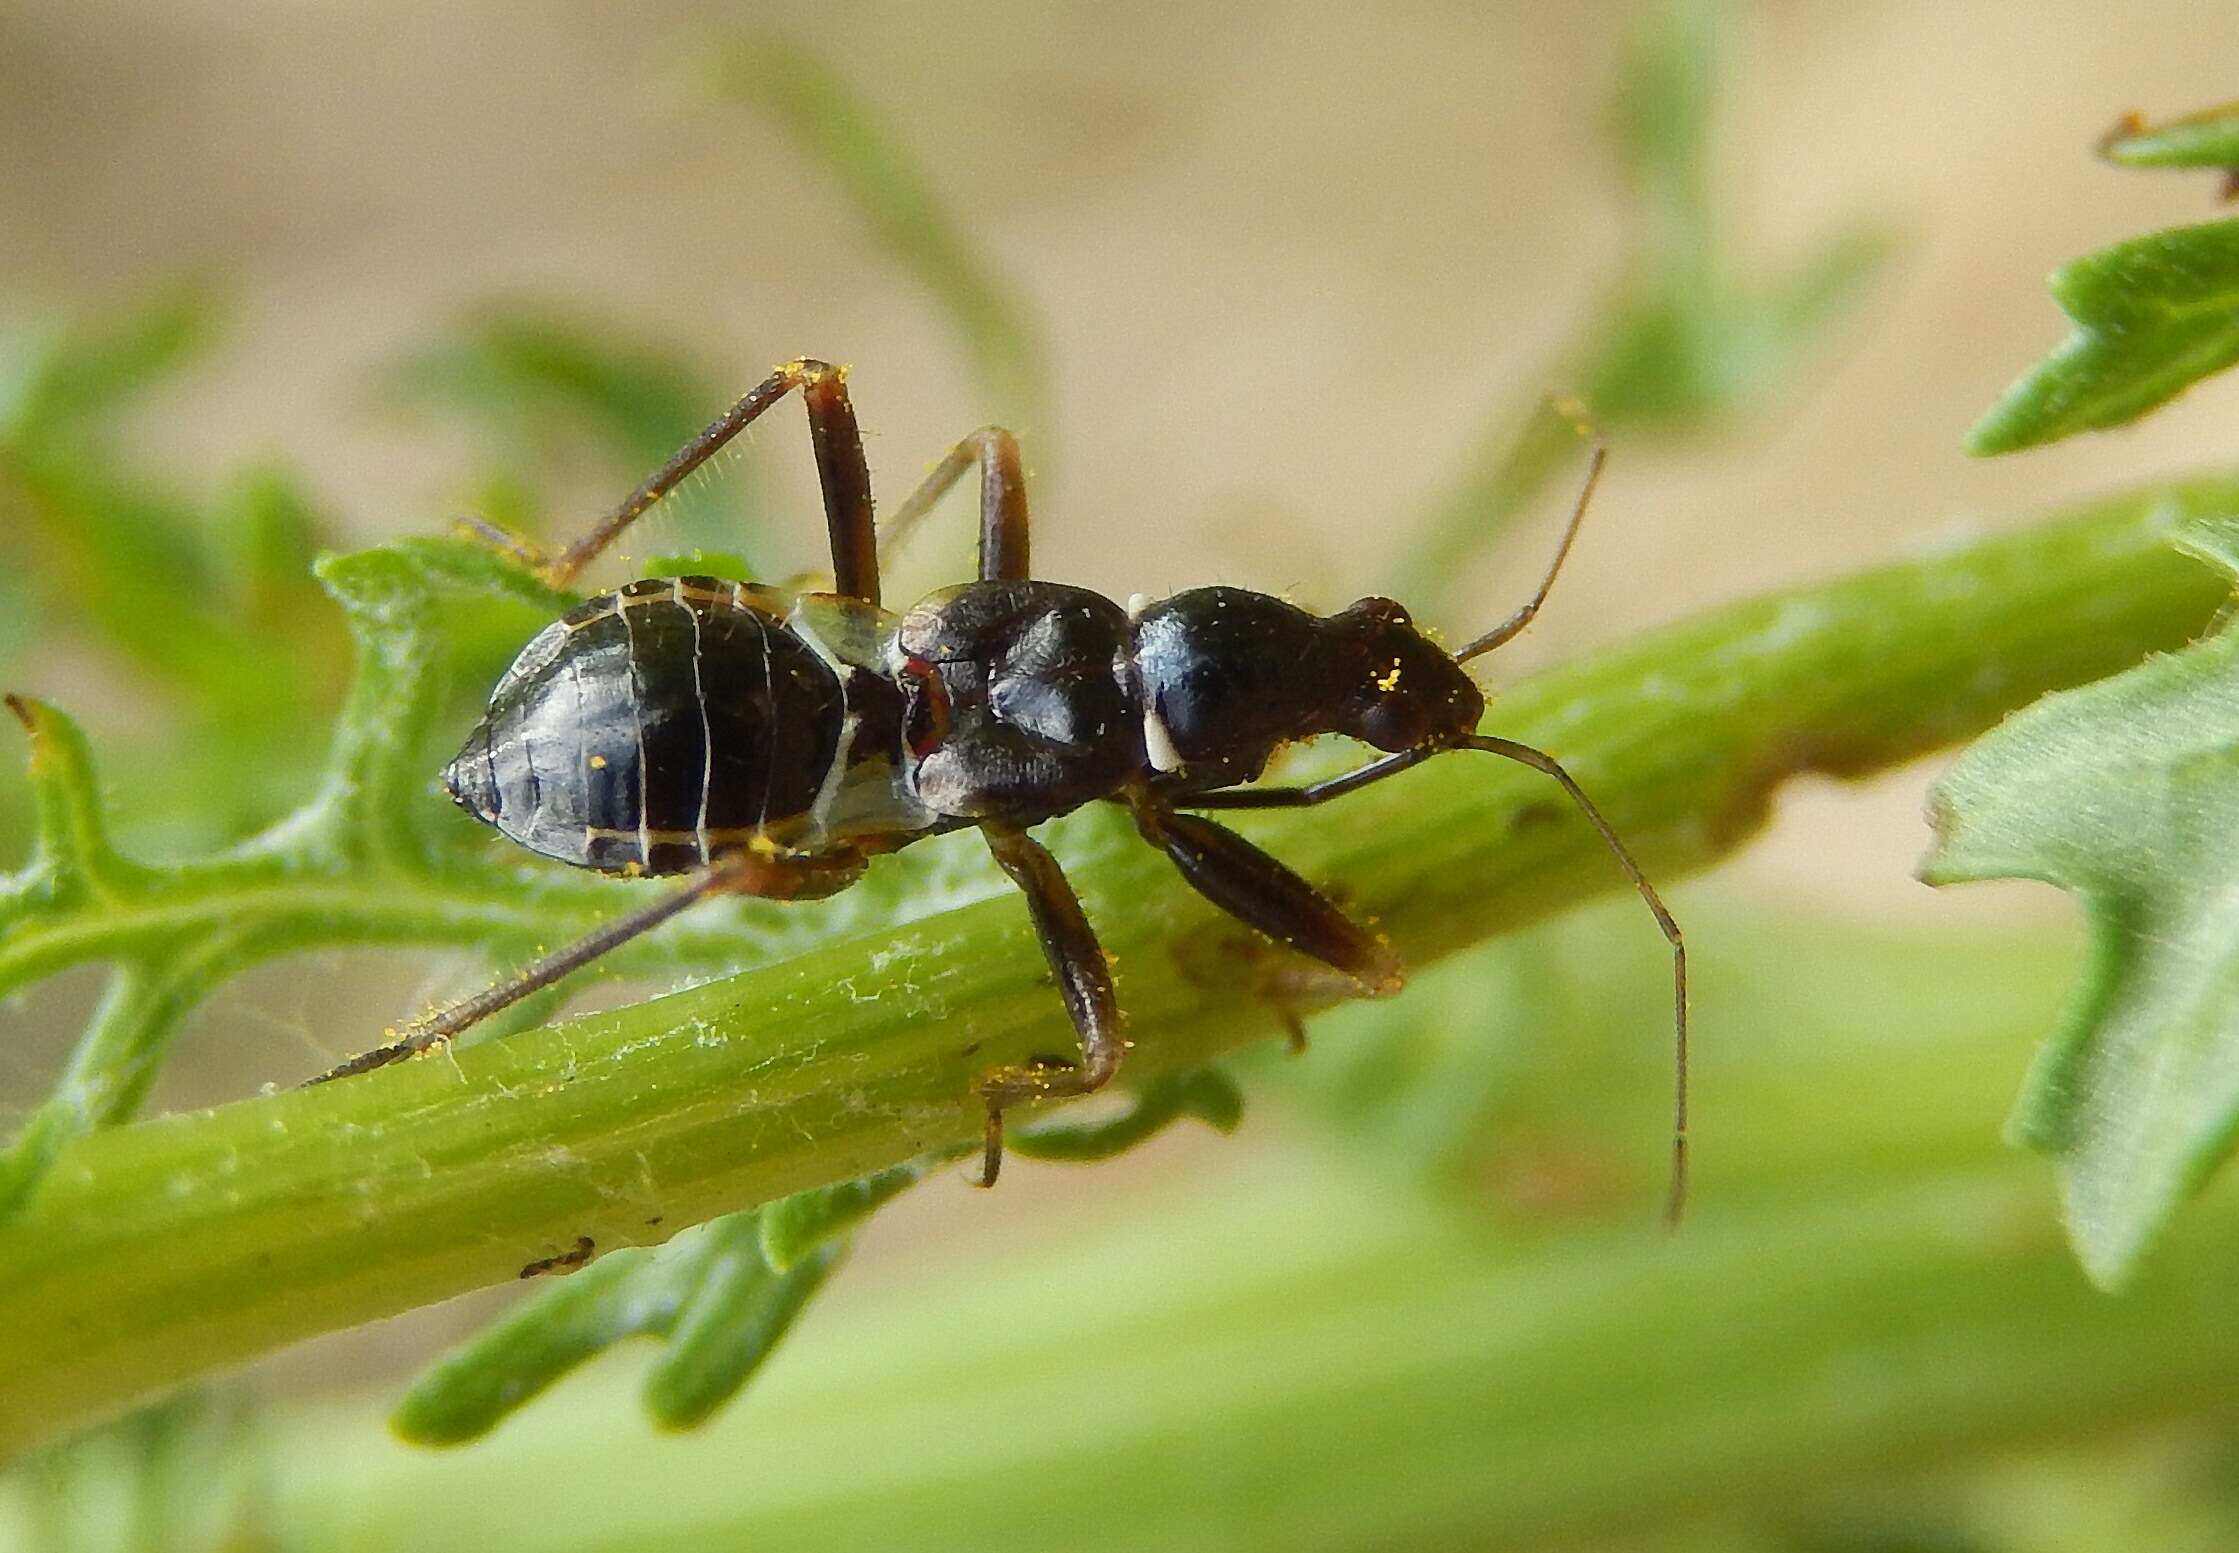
<point>1285,259</point>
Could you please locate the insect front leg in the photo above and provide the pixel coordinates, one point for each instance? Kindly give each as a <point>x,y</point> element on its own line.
<point>1265,893</point>
<point>1084,979</point>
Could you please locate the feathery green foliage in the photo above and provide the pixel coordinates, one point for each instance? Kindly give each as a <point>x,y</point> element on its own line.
<point>722,1293</point>
<point>2114,791</point>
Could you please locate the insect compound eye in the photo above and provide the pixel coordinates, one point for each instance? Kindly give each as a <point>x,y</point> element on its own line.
<point>926,706</point>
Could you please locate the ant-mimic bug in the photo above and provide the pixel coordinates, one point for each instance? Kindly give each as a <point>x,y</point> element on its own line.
<point>769,743</point>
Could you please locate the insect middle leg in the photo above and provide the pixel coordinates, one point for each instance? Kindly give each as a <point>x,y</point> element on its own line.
<point>1084,979</point>
<point>840,467</point>
<point>1003,527</point>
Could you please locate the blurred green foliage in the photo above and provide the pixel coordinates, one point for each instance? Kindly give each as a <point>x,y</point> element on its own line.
<point>551,402</point>
<point>1690,340</point>
<point>844,133</point>
<point>2208,138</point>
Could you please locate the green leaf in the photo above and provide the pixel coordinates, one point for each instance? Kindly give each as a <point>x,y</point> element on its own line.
<point>732,1323</point>
<point>1207,1094</point>
<point>92,365</point>
<point>2125,793</point>
<point>532,376</point>
<point>204,605</point>
<point>2209,138</point>
<point>2154,315</point>
<point>724,1293</point>
<point>796,1227</point>
<point>709,1292</point>
<point>1691,339</point>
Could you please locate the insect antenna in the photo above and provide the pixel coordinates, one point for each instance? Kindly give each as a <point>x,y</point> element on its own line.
<point>1540,760</point>
<point>1515,623</point>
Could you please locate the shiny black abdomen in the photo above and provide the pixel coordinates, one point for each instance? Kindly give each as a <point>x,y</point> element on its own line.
<point>654,727</point>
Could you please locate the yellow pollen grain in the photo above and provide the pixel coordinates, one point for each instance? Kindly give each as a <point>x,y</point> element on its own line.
<point>1389,681</point>
<point>598,762</point>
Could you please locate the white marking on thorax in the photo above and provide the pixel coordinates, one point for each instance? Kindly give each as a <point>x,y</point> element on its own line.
<point>1137,603</point>
<point>1158,744</point>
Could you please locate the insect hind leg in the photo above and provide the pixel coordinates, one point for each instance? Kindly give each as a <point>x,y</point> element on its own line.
<point>841,471</point>
<point>738,873</point>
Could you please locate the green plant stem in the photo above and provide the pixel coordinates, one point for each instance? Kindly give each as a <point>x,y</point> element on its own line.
<point>1317,1356</point>
<point>169,1248</point>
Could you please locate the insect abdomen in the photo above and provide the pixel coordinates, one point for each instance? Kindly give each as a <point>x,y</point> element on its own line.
<point>654,727</point>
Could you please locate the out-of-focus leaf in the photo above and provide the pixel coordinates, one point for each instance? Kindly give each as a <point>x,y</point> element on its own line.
<point>1206,1094</point>
<point>1496,481</point>
<point>732,1324</point>
<point>94,362</point>
<point>1687,340</point>
<point>2125,793</point>
<point>2208,138</point>
<point>532,374</point>
<point>723,1293</point>
<point>270,534</point>
<point>795,1227</point>
<point>187,1474</point>
<point>537,385</point>
<point>206,610</point>
<point>2153,315</point>
<point>709,1292</point>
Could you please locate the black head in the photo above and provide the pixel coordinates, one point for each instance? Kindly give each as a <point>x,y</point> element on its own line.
<point>1399,689</point>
